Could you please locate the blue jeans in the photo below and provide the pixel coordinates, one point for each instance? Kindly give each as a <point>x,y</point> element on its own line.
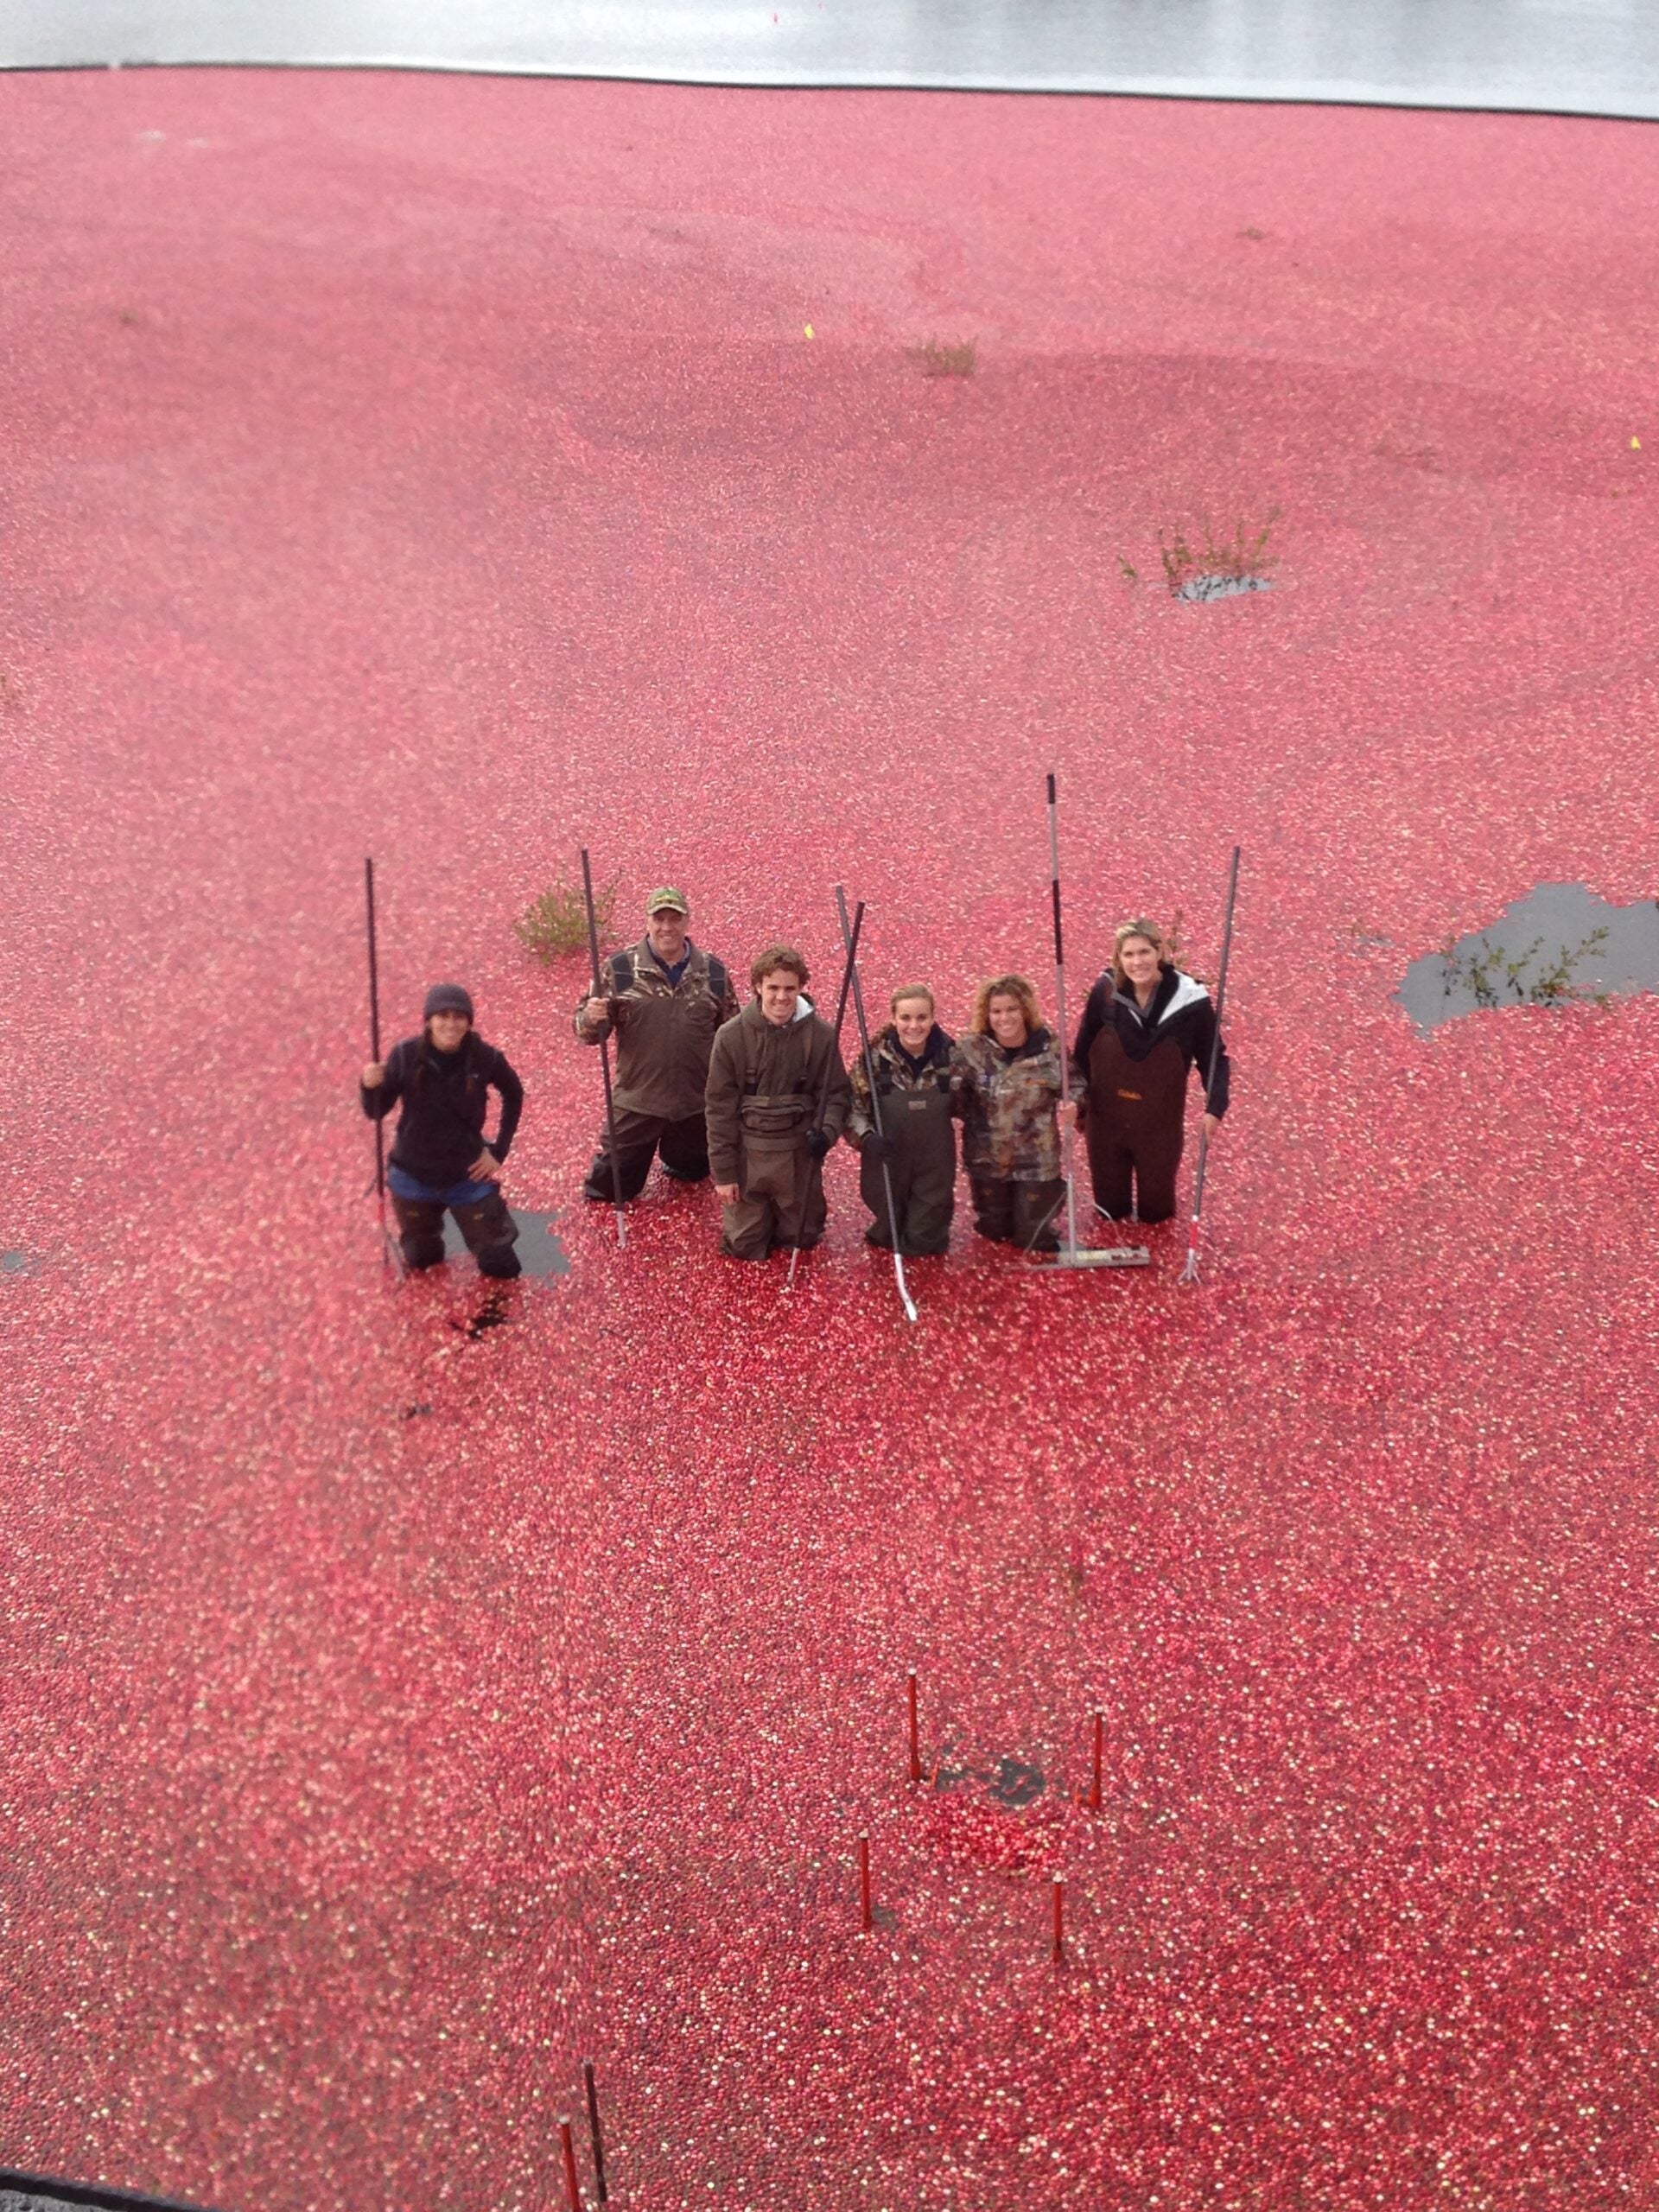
<point>403,1185</point>
<point>481,1214</point>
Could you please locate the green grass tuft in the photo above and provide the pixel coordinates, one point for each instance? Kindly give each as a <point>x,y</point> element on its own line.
<point>556,924</point>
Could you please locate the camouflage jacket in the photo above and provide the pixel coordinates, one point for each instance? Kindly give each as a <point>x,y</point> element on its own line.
<point>1010,1130</point>
<point>895,1071</point>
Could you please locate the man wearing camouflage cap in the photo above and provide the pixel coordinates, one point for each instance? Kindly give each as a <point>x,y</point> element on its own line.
<point>662,1000</point>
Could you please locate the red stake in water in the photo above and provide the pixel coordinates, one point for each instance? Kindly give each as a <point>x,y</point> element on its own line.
<point>866,1917</point>
<point>572,2186</point>
<point>915,1739</point>
<point>1058,1953</point>
<point>1093,1799</point>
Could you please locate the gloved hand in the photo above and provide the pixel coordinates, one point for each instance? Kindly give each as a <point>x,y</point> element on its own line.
<point>877,1147</point>
<point>818,1141</point>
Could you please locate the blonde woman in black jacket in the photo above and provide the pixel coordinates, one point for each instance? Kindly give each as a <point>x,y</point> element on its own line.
<point>1143,1028</point>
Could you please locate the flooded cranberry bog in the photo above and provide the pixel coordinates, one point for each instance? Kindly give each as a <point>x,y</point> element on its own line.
<point>405,1700</point>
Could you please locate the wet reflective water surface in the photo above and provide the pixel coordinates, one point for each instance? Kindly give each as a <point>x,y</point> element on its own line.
<point>539,1250</point>
<point>1590,56</point>
<point>1204,588</point>
<point>1560,944</point>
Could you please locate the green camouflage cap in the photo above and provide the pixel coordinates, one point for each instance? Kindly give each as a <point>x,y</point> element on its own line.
<point>666,895</point>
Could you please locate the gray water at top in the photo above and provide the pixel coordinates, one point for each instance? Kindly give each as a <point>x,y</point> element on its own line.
<point>1588,56</point>
<point>1560,944</point>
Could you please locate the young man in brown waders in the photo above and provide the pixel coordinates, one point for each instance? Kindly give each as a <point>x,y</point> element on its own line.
<point>775,1101</point>
<point>1143,1027</point>
<point>663,1000</point>
<point>917,1085</point>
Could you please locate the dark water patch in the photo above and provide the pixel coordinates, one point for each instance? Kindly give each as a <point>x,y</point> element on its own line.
<point>1010,1782</point>
<point>494,1313</point>
<point>1560,945</point>
<point>1016,1783</point>
<point>1203,588</point>
<point>539,1250</point>
<point>15,1263</point>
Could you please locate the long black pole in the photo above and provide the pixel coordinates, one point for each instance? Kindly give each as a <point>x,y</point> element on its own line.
<point>876,1103</point>
<point>594,2135</point>
<point>1190,1273</point>
<point>848,975</point>
<point>604,1051</point>
<point>822,1107</point>
<point>1059,1011</point>
<point>374,1054</point>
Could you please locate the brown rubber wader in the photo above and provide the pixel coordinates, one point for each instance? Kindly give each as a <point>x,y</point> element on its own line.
<point>923,1168</point>
<point>781,1201</point>
<point>487,1226</point>
<point>1135,1126</point>
<point>1025,1214</point>
<point>685,1147</point>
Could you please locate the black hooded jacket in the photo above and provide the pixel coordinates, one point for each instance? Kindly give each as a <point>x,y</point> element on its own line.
<point>1179,1009</point>
<point>445,1099</point>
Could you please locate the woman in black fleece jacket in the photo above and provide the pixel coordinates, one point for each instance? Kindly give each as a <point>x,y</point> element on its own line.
<point>439,1158</point>
<point>1144,1026</point>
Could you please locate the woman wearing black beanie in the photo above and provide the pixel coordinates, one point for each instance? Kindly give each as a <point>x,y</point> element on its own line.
<point>439,1158</point>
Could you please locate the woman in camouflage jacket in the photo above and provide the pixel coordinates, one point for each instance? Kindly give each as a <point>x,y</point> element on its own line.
<point>1009,1098</point>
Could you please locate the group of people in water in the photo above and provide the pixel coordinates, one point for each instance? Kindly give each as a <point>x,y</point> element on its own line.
<point>755,1096</point>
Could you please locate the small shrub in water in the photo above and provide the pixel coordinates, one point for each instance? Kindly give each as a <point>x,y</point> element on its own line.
<point>1242,558</point>
<point>1495,978</point>
<point>556,923</point>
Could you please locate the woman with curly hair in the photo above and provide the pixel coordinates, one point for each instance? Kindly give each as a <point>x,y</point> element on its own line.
<point>1011,1107</point>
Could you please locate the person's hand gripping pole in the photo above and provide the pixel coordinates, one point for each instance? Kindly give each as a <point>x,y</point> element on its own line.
<point>1190,1272</point>
<point>849,939</point>
<point>604,1051</point>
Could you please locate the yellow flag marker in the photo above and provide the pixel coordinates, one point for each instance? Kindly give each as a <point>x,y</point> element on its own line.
<point>1636,444</point>
<point>809,332</point>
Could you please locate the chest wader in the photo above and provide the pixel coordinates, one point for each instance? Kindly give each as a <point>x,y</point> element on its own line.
<point>680,1033</point>
<point>1023,1214</point>
<point>487,1226</point>
<point>776,1204</point>
<point>923,1168</point>
<point>1135,1126</point>
<point>683,1147</point>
